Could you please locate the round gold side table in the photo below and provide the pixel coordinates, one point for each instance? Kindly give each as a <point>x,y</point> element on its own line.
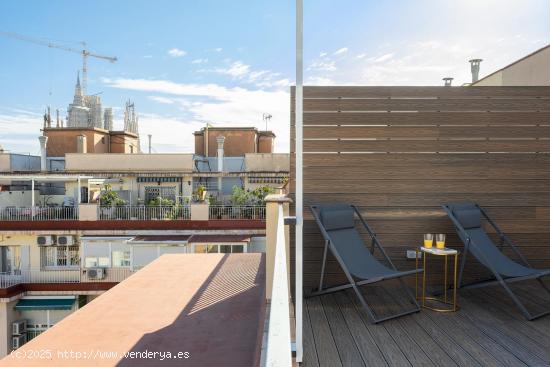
<point>447,305</point>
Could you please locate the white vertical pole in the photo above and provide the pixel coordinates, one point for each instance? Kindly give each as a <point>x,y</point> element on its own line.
<point>32,199</point>
<point>78,192</point>
<point>299,177</point>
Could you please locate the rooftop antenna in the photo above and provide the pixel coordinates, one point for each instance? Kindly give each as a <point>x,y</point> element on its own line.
<point>266,117</point>
<point>448,81</point>
<point>474,66</point>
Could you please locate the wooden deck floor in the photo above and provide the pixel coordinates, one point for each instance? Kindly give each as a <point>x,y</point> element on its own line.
<point>487,331</point>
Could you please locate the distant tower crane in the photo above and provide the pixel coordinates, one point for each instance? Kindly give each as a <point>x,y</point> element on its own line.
<point>84,52</point>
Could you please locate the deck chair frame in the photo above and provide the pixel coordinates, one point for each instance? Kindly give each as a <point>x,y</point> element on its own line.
<point>497,278</point>
<point>353,283</point>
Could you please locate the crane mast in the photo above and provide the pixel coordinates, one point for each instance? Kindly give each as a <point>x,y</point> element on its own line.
<point>84,52</point>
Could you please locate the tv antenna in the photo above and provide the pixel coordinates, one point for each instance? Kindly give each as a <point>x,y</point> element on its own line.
<point>266,117</point>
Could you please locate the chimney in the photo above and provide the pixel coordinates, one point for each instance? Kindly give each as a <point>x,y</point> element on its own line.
<point>43,162</point>
<point>448,81</point>
<point>220,140</point>
<point>81,144</point>
<point>474,66</point>
<point>149,137</point>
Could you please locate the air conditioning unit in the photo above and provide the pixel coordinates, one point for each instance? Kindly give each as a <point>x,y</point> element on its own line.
<point>65,240</point>
<point>18,340</point>
<point>44,240</point>
<point>19,327</point>
<point>96,273</point>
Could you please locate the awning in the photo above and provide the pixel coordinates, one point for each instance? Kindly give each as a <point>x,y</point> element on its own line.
<point>160,239</point>
<point>29,304</point>
<point>206,238</point>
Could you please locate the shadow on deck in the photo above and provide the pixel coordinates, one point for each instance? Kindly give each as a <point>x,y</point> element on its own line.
<point>487,331</point>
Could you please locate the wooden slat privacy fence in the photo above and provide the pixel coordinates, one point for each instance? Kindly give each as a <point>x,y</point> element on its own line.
<point>400,152</point>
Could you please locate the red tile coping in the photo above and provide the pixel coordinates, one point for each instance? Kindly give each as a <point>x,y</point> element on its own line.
<point>55,287</point>
<point>211,306</point>
<point>130,224</point>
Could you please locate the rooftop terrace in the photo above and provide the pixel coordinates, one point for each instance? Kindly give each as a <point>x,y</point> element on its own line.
<point>211,307</point>
<point>487,331</point>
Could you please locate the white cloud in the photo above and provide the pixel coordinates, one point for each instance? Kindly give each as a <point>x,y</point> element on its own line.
<point>218,49</point>
<point>214,103</point>
<point>162,100</point>
<point>199,61</point>
<point>322,66</point>
<point>323,54</point>
<point>19,130</point>
<point>341,51</point>
<point>361,56</point>
<point>237,69</point>
<point>176,52</point>
<point>383,58</point>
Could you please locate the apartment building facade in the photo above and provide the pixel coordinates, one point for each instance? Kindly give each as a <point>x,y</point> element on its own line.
<point>74,224</point>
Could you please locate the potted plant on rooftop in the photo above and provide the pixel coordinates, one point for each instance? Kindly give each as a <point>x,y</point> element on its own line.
<point>108,200</point>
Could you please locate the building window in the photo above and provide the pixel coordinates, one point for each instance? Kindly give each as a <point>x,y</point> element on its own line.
<point>206,249</point>
<point>10,259</point>
<point>59,256</point>
<point>121,258</point>
<point>218,249</point>
<point>96,261</point>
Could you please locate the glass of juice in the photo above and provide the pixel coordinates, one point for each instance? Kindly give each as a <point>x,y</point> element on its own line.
<point>440,241</point>
<point>428,240</point>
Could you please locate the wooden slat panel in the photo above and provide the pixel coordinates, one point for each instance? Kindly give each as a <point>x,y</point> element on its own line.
<point>334,105</point>
<point>455,132</point>
<point>413,146</point>
<point>433,199</point>
<point>400,194</point>
<point>425,118</point>
<point>425,186</point>
<point>416,92</point>
<point>419,160</point>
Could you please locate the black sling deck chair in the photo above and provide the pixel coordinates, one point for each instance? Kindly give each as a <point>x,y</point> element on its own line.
<point>467,218</point>
<point>337,224</point>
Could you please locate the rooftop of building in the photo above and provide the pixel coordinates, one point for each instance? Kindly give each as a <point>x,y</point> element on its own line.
<point>234,128</point>
<point>210,306</point>
<point>532,54</point>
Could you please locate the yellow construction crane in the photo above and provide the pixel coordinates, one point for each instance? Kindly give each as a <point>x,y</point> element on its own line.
<point>84,52</point>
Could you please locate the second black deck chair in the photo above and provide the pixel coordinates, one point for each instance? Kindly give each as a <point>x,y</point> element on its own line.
<point>467,219</point>
<point>337,224</point>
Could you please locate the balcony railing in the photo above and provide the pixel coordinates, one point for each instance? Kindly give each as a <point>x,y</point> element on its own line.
<point>142,212</point>
<point>38,213</point>
<point>236,212</point>
<point>57,276</point>
<point>278,346</point>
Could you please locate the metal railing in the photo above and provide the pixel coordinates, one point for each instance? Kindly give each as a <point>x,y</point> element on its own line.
<point>279,343</point>
<point>208,186</point>
<point>58,276</point>
<point>144,212</point>
<point>236,212</point>
<point>13,213</point>
<point>33,333</point>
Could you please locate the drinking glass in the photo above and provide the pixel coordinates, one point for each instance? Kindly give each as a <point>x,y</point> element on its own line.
<point>428,240</point>
<point>440,241</point>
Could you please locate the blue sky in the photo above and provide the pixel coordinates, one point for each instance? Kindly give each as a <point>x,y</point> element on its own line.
<point>185,63</point>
